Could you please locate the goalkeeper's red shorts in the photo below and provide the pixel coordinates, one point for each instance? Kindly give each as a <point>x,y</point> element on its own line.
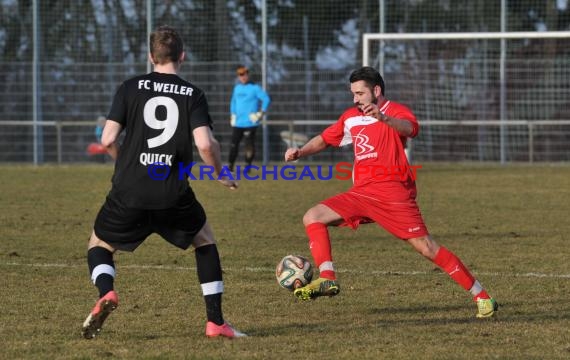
<point>391,204</point>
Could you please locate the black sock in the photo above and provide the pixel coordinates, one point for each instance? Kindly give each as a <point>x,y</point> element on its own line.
<point>98,256</point>
<point>210,271</point>
<point>214,308</point>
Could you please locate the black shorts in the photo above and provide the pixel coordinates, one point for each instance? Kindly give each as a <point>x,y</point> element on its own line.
<point>125,228</point>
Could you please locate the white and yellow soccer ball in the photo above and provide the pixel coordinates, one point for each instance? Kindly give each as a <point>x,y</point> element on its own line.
<point>294,271</point>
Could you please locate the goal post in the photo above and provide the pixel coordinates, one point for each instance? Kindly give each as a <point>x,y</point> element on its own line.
<point>367,38</point>
<point>499,76</point>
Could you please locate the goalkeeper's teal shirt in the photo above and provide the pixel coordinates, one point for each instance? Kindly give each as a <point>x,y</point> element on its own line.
<point>247,99</point>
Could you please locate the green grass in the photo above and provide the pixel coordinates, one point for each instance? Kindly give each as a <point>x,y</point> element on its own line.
<point>509,224</point>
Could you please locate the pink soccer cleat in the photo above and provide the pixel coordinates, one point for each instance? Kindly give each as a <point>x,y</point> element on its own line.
<point>94,322</point>
<point>213,330</point>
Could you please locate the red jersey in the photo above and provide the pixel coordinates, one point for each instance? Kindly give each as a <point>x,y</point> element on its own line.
<point>378,148</point>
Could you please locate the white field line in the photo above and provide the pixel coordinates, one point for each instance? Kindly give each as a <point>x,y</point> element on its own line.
<point>271,270</point>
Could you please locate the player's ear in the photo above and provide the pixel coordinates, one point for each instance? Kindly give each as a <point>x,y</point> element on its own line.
<point>182,57</point>
<point>377,91</point>
<point>150,58</point>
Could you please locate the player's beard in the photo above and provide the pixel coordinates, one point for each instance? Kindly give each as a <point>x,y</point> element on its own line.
<point>361,104</point>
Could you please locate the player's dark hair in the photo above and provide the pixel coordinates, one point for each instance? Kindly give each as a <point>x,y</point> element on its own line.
<point>165,45</point>
<point>370,76</point>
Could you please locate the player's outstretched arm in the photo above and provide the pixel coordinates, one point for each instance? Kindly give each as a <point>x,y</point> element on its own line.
<point>209,150</point>
<point>313,146</point>
<point>109,137</point>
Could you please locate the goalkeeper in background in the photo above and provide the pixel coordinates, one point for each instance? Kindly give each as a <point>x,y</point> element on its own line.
<point>248,105</point>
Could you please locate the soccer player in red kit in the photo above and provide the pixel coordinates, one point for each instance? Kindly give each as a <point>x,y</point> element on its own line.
<point>384,189</point>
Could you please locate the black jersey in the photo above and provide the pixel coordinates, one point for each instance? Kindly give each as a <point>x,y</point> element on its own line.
<point>158,113</point>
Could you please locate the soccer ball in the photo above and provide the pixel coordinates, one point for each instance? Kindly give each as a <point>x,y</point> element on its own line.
<point>294,271</point>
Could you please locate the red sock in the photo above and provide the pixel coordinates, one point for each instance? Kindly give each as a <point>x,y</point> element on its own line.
<point>451,264</point>
<point>482,295</point>
<point>320,245</point>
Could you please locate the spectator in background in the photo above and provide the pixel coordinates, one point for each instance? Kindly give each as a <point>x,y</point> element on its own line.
<point>248,105</point>
<point>99,128</point>
<point>95,149</point>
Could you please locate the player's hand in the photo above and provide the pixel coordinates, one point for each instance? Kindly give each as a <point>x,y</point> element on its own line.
<point>233,119</point>
<point>373,110</point>
<point>256,117</point>
<point>370,110</point>
<point>292,154</point>
<point>232,184</point>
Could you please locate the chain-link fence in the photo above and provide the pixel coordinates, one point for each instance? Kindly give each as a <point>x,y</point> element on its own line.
<point>61,61</point>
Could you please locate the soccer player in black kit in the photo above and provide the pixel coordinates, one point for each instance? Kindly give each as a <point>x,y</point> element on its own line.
<point>150,193</point>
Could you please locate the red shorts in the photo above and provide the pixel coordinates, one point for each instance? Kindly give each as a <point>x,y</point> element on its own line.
<point>394,208</point>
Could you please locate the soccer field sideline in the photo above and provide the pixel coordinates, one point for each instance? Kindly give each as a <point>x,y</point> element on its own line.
<point>270,270</point>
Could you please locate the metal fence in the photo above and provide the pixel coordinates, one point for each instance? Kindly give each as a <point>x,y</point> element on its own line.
<point>61,62</point>
<point>529,141</point>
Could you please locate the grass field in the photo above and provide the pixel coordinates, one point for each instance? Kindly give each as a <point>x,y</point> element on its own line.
<point>510,225</point>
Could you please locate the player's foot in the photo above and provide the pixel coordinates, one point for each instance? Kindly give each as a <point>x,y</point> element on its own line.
<point>226,330</point>
<point>94,322</point>
<point>486,307</point>
<point>319,287</point>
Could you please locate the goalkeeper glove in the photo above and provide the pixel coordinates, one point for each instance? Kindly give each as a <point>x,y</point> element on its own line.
<point>233,120</point>
<point>256,117</point>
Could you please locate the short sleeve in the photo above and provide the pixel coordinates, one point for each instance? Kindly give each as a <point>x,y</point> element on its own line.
<point>199,113</point>
<point>118,110</point>
<point>335,135</point>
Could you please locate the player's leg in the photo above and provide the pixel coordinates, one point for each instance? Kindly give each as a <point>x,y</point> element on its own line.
<point>316,220</point>
<point>186,225</point>
<point>455,268</point>
<point>102,271</point>
<point>399,214</point>
<point>210,276</point>
<point>250,146</point>
<point>101,264</point>
<point>237,135</point>
<point>120,227</point>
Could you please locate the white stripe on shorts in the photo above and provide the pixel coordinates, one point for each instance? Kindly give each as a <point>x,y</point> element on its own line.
<point>211,288</point>
<point>102,269</point>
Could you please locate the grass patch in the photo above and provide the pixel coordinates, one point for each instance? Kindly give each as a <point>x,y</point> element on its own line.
<point>508,224</point>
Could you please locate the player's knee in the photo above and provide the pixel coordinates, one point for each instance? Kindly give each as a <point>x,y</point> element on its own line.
<point>425,246</point>
<point>94,241</point>
<point>204,237</point>
<point>200,241</point>
<point>311,216</point>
